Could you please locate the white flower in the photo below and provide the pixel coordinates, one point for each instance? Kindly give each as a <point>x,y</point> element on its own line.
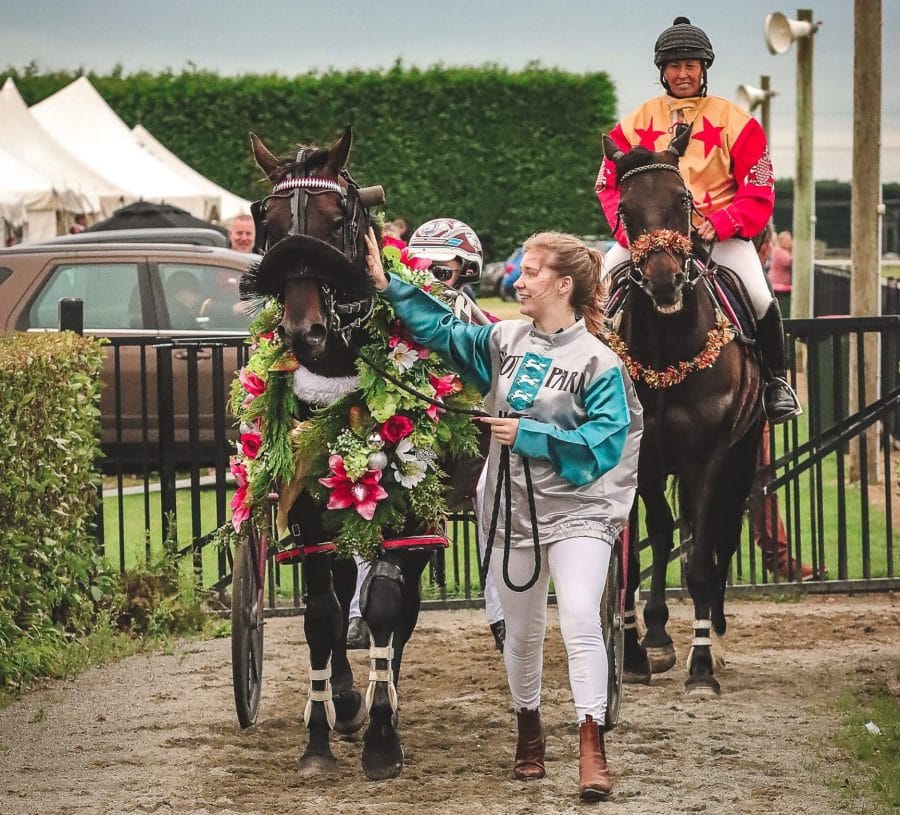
<point>405,451</point>
<point>410,473</point>
<point>403,357</point>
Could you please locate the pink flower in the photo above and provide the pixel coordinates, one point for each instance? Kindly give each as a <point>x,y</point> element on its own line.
<point>396,428</point>
<point>239,471</point>
<point>390,240</point>
<point>450,383</point>
<point>240,509</point>
<point>252,383</point>
<point>417,264</point>
<point>362,495</point>
<point>434,412</point>
<point>250,444</point>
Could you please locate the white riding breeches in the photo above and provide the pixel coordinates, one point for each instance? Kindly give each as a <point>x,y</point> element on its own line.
<point>578,567</point>
<point>734,254</point>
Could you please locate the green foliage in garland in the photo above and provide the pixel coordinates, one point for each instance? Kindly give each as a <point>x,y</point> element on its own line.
<point>510,153</point>
<point>372,461</point>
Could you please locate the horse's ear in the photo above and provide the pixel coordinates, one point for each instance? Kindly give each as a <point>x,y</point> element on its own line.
<point>611,149</point>
<point>679,144</point>
<point>340,152</point>
<point>264,158</point>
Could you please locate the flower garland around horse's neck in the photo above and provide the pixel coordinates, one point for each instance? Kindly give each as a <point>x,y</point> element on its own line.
<point>373,459</point>
<point>716,339</point>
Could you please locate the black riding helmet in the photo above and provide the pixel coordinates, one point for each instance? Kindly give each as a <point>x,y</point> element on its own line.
<point>681,40</point>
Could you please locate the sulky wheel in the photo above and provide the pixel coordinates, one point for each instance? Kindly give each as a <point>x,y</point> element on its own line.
<point>247,626</point>
<point>611,615</point>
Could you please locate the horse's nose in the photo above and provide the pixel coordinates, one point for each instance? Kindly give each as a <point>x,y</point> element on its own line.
<point>315,336</point>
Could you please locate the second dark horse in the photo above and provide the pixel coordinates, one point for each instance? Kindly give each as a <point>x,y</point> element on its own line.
<point>701,394</point>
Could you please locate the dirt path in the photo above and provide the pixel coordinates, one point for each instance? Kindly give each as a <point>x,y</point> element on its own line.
<point>158,734</point>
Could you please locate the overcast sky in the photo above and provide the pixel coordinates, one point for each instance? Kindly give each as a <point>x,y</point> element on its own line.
<point>295,36</point>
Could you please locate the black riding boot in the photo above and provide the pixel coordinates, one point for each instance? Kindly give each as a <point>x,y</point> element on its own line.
<point>779,400</point>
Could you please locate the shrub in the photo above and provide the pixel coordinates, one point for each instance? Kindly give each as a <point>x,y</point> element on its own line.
<point>51,574</point>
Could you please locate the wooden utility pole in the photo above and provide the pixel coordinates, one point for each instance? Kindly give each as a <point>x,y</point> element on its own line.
<point>865,248</point>
<point>804,185</point>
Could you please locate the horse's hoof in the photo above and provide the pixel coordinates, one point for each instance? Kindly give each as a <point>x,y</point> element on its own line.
<point>386,763</point>
<point>636,677</point>
<point>349,725</point>
<point>705,688</point>
<point>312,765</point>
<point>661,658</point>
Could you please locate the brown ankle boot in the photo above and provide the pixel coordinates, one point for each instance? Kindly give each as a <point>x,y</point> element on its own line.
<point>530,745</point>
<point>593,774</point>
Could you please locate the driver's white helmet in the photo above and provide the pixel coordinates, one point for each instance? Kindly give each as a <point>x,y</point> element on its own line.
<point>443,239</point>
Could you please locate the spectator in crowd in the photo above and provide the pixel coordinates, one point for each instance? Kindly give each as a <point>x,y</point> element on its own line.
<point>184,298</point>
<point>768,529</point>
<point>242,234</point>
<point>80,224</point>
<point>780,263</point>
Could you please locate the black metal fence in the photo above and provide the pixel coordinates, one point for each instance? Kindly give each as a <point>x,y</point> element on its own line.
<point>166,467</point>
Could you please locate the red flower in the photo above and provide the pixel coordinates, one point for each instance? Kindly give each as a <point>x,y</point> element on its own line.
<point>362,495</point>
<point>396,428</point>
<point>252,383</point>
<point>250,444</point>
<point>390,240</point>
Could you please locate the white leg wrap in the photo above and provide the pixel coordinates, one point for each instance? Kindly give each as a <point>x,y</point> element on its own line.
<point>377,674</point>
<point>324,695</point>
<point>701,637</point>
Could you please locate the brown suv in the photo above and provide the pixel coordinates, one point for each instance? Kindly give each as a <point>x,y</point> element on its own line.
<point>139,294</point>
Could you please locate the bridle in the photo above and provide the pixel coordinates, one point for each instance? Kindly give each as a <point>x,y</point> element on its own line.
<point>674,243</point>
<point>342,317</point>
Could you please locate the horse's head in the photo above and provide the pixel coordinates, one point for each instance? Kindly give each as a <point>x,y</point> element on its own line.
<point>655,211</point>
<point>311,231</point>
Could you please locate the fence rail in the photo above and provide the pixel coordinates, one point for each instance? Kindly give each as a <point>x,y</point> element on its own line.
<point>178,488</point>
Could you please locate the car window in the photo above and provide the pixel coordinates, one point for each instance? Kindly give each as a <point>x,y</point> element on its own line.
<point>202,297</point>
<point>109,291</point>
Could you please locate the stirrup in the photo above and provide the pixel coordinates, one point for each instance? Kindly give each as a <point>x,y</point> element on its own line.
<point>785,411</point>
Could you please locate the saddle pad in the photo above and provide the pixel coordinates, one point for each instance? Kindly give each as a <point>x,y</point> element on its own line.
<point>732,297</point>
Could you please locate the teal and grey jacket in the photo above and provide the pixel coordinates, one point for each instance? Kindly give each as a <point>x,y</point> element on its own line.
<point>582,421</point>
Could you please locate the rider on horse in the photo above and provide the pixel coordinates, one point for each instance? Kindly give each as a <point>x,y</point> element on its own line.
<point>727,169</point>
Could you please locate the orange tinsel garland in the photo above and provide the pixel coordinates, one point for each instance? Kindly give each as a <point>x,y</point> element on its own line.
<point>717,339</point>
<point>667,239</point>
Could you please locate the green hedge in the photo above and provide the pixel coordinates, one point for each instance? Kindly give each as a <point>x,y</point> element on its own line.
<point>508,152</point>
<point>49,424</point>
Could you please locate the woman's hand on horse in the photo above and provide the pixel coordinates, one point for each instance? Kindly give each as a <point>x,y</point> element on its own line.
<point>373,261</point>
<point>707,231</point>
<point>502,429</point>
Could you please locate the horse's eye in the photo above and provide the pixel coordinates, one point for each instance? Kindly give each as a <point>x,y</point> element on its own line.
<point>339,225</point>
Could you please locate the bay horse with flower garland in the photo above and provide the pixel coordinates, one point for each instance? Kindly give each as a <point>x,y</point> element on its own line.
<point>702,408</point>
<point>336,488</point>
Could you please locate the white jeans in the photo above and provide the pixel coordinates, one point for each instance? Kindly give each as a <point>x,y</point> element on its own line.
<point>734,254</point>
<point>578,567</point>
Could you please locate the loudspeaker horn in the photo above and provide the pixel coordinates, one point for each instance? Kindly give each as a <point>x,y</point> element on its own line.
<point>781,31</point>
<point>749,98</point>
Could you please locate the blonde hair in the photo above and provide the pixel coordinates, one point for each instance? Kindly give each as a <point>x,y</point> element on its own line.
<point>569,256</point>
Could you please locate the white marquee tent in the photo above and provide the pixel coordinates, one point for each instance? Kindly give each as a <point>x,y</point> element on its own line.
<point>232,204</point>
<point>35,192</point>
<point>23,137</point>
<point>78,117</point>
